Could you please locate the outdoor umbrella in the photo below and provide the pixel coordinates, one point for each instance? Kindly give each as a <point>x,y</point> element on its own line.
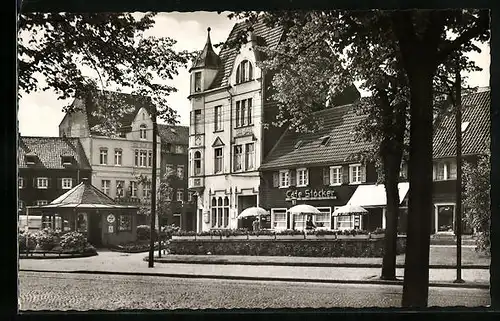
<point>304,209</point>
<point>253,211</point>
<point>350,210</point>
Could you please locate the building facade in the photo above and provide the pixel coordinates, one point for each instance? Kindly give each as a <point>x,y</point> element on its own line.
<point>181,203</point>
<point>226,136</point>
<point>49,167</point>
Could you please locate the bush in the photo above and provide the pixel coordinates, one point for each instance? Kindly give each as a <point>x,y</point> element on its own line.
<point>325,232</point>
<point>290,232</point>
<point>26,237</point>
<point>74,242</point>
<point>46,239</point>
<point>169,230</point>
<point>262,232</point>
<point>144,233</point>
<point>184,233</point>
<point>379,230</point>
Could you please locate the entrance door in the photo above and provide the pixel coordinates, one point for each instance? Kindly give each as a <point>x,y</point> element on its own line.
<point>95,229</point>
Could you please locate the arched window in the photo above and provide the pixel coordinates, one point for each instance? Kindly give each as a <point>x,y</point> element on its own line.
<point>244,72</point>
<point>220,212</point>
<point>197,163</point>
<point>142,131</point>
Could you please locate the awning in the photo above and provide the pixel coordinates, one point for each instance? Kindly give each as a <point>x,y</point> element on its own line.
<point>374,195</point>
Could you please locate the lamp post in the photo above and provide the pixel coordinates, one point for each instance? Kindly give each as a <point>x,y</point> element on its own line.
<point>153,191</point>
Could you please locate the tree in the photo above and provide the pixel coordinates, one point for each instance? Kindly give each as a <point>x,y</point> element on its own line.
<point>79,54</point>
<point>477,199</point>
<point>420,41</point>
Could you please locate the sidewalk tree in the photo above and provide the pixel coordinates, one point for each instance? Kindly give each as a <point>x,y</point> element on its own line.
<point>417,43</point>
<point>80,54</point>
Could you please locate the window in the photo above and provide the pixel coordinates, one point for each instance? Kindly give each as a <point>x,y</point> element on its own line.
<point>278,218</point>
<point>180,171</point>
<point>142,158</point>
<point>81,223</point>
<point>218,161</point>
<point>103,160</point>
<point>324,140</point>
<point>190,197</point>
<point>120,185</point>
<point>20,182</point>
<point>276,179</point>
<point>356,174</point>
<point>150,158</point>
<point>335,175</point>
<point>41,202</point>
<point>244,72</point>
<point>169,170</point>
<point>136,157</point>
<point>180,195</point>
<point>220,212</point>
<point>168,195</point>
<point>445,170</point>
<point>302,177</point>
<point>197,163</point>
<point>249,156</point>
<point>198,121</point>
<point>244,112</point>
<point>42,182</point>
<point>298,144</point>
<point>67,160</point>
<point>284,179</point>
<point>345,222</point>
<point>67,183</point>
<point>323,220</point>
<point>197,81</point>
<point>179,149</point>
<point>118,157</point>
<point>133,188</point>
<point>168,147</point>
<point>218,118</point>
<point>105,186</point>
<point>403,170</point>
<point>465,124</point>
<point>125,222</point>
<point>143,131</point>
<point>146,189</point>
<point>238,153</point>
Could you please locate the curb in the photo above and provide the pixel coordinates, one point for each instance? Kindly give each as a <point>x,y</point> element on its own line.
<point>318,264</point>
<point>55,256</point>
<point>251,278</point>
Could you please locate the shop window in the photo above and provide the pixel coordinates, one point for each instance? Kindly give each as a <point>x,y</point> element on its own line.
<point>125,222</point>
<point>278,218</point>
<point>345,222</point>
<point>302,177</point>
<point>81,223</point>
<point>298,221</point>
<point>323,220</point>
<point>284,177</point>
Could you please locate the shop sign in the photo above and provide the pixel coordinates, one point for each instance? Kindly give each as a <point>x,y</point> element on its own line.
<point>110,218</point>
<point>310,194</point>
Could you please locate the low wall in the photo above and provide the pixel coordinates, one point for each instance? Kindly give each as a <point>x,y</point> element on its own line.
<point>296,247</point>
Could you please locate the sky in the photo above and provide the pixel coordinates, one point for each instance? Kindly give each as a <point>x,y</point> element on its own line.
<point>40,113</point>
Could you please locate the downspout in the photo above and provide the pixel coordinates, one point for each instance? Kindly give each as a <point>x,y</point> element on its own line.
<point>262,118</point>
<point>230,141</point>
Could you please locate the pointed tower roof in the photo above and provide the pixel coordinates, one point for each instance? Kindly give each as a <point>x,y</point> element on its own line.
<point>207,58</point>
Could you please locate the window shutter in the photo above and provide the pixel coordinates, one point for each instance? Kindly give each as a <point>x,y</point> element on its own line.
<point>292,175</point>
<point>434,171</point>
<point>73,182</point>
<point>326,176</point>
<point>345,174</point>
<point>60,183</point>
<point>341,175</point>
<point>276,179</point>
<point>49,182</point>
<point>363,173</point>
<point>34,181</point>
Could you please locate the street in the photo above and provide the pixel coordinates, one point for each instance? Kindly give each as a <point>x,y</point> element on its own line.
<point>64,291</point>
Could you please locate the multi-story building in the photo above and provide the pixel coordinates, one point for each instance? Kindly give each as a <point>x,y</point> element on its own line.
<point>117,162</point>
<point>321,169</point>
<point>49,167</point>
<point>174,165</point>
<point>230,103</point>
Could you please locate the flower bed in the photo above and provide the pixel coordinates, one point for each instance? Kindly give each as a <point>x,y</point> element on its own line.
<point>48,243</point>
<point>351,247</point>
<point>137,247</point>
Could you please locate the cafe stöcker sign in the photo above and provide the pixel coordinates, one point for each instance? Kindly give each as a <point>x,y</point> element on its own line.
<point>310,194</point>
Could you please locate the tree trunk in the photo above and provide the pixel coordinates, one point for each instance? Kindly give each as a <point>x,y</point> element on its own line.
<point>391,174</point>
<point>416,276</point>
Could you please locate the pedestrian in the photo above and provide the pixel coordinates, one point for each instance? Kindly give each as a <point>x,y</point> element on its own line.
<point>310,224</point>
<point>255,224</point>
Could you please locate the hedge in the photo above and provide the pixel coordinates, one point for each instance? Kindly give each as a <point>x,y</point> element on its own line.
<point>307,248</point>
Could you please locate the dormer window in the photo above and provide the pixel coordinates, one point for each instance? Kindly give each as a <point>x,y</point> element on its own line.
<point>30,159</point>
<point>298,144</point>
<point>67,160</point>
<point>197,81</point>
<point>465,124</point>
<point>143,131</point>
<point>244,72</point>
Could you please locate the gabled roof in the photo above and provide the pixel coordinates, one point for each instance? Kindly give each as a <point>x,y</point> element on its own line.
<point>136,101</point>
<point>49,150</point>
<point>207,57</point>
<point>174,134</point>
<point>338,122</point>
<point>476,111</point>
<point>265,35</point>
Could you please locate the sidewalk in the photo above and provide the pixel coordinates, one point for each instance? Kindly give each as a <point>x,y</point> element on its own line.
<point>134,264</point>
